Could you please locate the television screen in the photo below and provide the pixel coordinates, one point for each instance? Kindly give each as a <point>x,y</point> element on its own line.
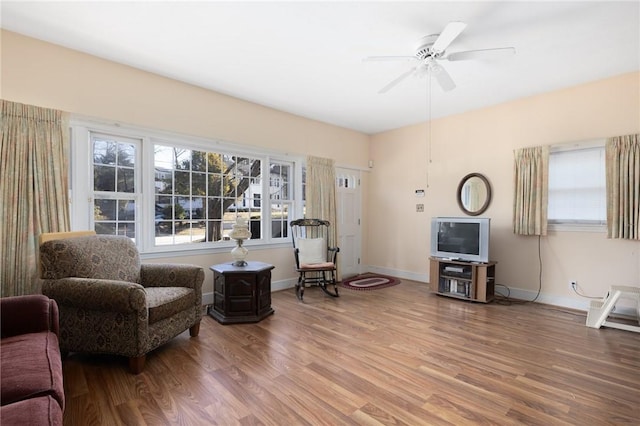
<point>458,237</point>
<point>461,238</point>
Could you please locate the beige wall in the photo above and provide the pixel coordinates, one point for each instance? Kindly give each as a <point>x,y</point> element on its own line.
<point>38,73</point>
<point>395,237</point>
<point>483,141</point>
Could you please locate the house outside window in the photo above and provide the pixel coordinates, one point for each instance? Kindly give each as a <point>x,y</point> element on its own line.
<point>177,193</point>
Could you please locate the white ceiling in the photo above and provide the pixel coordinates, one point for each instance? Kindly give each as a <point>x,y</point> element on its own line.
<point>306,57</point>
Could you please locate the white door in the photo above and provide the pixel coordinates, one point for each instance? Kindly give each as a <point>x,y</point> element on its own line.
<point>348,203</point>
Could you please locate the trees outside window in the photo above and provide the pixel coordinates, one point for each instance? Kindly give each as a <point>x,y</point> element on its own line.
<point>178,194</point>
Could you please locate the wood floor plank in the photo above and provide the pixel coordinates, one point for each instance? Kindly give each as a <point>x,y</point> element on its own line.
<point>399,355</point>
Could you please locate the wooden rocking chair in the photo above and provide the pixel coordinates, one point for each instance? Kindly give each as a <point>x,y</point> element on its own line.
<point>316,262</point>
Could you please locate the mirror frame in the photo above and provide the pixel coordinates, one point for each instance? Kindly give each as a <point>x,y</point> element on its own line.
<point>482,208</point>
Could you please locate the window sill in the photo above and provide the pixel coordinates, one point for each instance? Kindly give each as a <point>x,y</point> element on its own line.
<point>577,227</point>
<point>186,252</point>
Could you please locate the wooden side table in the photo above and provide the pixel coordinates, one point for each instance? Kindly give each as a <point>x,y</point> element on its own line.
<point>241,294</point>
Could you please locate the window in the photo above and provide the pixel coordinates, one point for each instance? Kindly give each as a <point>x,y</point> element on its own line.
<point>178,193</point>
<point>198,194</point>
<point>115,184</point>
<point>280,197</point>
<point>577,186</point>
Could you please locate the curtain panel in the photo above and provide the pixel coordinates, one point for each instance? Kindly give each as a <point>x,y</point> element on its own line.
<point>321,195</point>
<point>623,187</point>
<point>34,189</point>
<point>531,176</point>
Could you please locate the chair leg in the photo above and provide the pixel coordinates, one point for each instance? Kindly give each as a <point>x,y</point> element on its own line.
<point>136,364</point>
<point>300,288</point>
<point>194,330</point>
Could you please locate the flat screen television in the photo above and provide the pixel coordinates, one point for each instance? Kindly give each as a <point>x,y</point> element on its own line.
<point>460,238</point>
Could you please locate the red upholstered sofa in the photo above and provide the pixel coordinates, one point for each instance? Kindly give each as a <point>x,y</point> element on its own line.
<point>31,367</point>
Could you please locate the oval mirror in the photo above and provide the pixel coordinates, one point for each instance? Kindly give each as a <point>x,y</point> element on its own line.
<point>474,194</point>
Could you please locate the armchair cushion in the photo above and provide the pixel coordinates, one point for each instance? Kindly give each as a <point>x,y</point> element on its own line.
<point>108,257</point>
<point>164,302</point>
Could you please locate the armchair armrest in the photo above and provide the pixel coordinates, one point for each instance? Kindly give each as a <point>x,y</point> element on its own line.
<point>96,294</point>
<point>172,275</point>
<point>28,314</point>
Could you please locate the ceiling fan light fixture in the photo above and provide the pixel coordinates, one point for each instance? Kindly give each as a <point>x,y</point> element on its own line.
<point>431,49</point>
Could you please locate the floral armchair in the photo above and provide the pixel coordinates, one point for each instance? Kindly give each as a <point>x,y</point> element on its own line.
<point>111,303</point>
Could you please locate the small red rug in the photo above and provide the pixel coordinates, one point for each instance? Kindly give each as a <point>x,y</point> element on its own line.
<point>369,281</point>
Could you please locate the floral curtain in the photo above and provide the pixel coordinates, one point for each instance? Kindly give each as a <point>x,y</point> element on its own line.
<point>531,175</point>
<point>623,187</point>
<point>33,190</point>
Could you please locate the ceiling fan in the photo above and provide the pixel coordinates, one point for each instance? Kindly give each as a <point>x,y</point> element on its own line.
<point>432,49</point>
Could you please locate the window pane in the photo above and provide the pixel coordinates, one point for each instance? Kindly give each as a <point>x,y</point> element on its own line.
<point>104,152</point>
<point>214,230</point>
<point>111,215</point>
<point>214,208</point>
<point>199,206</point>
<point>104,210</point>
<point>279,220</point>
<point>183,184</point>
<point>214,185</point>
<point>164,181</point>
<point>577,186</point>
<point>163,208</point>
<point>104,178</point>
<point>199,184</point>
<point>183,159</point>
<point>180,208</point>
<point>105,228</point>
<point>199,161</point>
<point>126,180</point>
<point>126,155</point>
<point>128,229</point>
<point>163,157</point>
<point>126,210</point>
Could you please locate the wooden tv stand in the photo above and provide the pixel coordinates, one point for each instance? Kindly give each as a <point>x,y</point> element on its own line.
<point>463,280</point>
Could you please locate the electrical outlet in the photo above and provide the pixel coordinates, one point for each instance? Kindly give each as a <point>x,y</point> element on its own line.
<point>420,208</point>
<point>573,285</point>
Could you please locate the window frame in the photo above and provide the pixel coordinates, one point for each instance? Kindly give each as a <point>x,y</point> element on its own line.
<point>577,225</point>
<point>81,169</point>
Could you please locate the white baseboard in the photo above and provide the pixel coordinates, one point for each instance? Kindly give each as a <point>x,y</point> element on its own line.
<point>516,293</point>
<point>397,273</point>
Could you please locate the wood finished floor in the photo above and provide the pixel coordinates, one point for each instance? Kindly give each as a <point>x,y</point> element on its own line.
<point>399,356</point>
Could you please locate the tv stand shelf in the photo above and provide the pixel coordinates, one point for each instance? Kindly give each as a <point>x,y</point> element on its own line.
<point>473,281</point>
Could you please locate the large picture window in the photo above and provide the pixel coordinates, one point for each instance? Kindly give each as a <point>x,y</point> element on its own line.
<point>176,193</point>
<point>199,194</point>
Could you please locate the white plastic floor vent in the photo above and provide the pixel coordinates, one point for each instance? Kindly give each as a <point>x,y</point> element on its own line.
<point>599,310</point>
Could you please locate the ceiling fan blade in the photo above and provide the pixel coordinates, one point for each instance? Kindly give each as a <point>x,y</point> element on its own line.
<point>442,77</point>
<point>498,52</point>
<point>450,32</point>
<point>397,80</point>
<point>389,58</point>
